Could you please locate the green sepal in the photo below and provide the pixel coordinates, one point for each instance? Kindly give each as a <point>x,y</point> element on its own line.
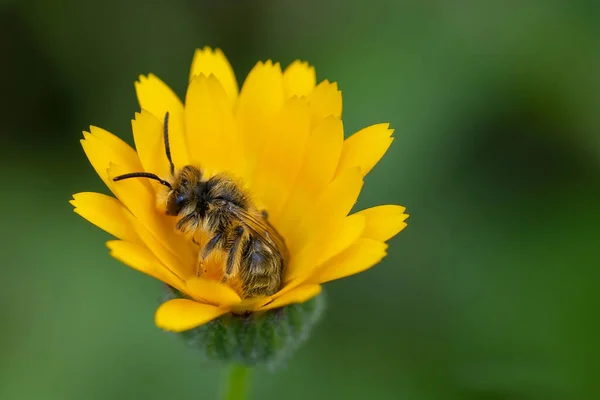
<point>260,338</point>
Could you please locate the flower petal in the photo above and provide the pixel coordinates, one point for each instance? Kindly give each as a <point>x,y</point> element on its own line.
<point>182,263</point>
<point>119,146</point>
<point>324,101</point>
<point>383,222</point>
<point>299,79</point>
<point>362,255</point>
<point>342,237</point>
<point>150,144</point>
<point>210,128</point>
<point>329,209</point>
<point>155,229</point>
<point>328,244</point>
<point>140,258</point>
<point>103,148</point>
<point>136,195</point>
<point>213,292</point>
<point>180,315</point>
<point>213,62</point>
<point>252,304</point>
<point>365,148</point>
<point>323,151</point>
<point>106,213</point>
<point>260,99</point>
<point>281,156</point>
<point>156,97</point>
<point>297,295</point>
<point>287,286</point>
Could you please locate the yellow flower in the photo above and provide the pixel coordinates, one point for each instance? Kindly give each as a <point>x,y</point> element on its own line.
<point>282,136</point>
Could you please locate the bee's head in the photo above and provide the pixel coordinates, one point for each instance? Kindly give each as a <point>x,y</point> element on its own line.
<point>185,191</point>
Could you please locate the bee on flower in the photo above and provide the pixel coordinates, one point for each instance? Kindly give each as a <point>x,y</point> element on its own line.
<point>239,200</point>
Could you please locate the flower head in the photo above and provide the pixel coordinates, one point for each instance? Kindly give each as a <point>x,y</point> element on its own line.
<point>279,143</point>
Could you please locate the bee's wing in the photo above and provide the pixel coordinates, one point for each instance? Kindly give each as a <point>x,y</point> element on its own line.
<point>263,230</point>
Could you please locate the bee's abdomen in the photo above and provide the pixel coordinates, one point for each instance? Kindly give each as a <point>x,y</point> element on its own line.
<point>260,269</point>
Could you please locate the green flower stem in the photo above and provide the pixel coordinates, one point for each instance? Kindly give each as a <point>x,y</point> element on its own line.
<point>237,384</point>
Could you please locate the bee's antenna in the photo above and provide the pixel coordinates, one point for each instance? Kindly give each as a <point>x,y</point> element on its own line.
<point>166,138</point>
<point>143,175</point>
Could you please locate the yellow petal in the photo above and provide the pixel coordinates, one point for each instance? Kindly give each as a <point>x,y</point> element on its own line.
<point>323,154</point>
<point>135,194</point>
<point>260,99</point>
<point>280,159</point>
<point>213,62</point>
<point>171,250</point>
<point>331,241</point>
<point>288,286</point>
<point>252,304</point>
<point>106,213</point>
<point>324,101</point>
<point>329,209</point>
<point>124,151</point>
<point>299,79</point>
<point>322,157</point>
<point>140,258</point>
<point>103,148</point>
<point>210,128</point>
<point>383,222</point>
<point>138,197</point>
<point>180,315</point>
<point>149,142</point>
<point>156,97</point>
<point>156,230</point>
<point>347,233</point>
<point>212,292</point>
<point>362,255</point>
<point>298,295</point>
<point>365,148</point>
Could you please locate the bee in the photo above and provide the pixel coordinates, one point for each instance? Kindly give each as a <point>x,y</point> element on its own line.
<point>219,213</point>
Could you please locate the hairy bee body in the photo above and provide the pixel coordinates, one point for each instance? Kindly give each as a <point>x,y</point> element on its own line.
<point>218,216</point>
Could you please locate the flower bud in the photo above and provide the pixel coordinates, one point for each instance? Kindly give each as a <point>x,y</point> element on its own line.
<point>258,338</point>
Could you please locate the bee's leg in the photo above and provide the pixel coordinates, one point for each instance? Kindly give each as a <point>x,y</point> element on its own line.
<point>236,238</point>
<point>212,243</point>
<point>265,214</point>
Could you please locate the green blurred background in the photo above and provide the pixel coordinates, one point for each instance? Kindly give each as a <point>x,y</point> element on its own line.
<point>491,291</point>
